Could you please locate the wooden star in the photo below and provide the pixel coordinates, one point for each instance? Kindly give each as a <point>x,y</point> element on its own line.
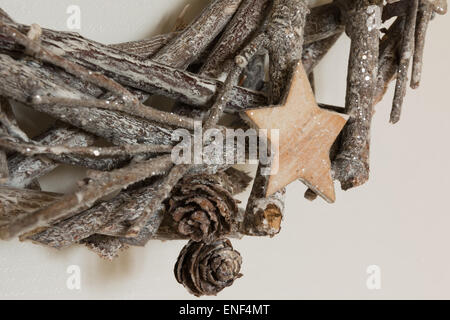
<point>306,134</point>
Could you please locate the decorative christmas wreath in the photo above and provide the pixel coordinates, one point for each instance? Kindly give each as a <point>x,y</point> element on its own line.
<point>134,191</point>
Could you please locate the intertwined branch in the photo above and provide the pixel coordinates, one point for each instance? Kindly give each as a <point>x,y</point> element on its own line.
<point>98,91</point>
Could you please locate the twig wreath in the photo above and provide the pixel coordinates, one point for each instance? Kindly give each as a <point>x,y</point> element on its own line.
<point>134,192</point>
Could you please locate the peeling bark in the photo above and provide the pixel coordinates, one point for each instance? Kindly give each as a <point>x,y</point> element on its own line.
<point>192,41</point>
<point>24,170</point>
<point>239,31</point>
<point>406,52</point>
<point>351,166</point>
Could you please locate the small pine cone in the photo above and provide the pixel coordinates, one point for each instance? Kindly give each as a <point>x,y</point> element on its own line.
<point>202,207</point>
<point>206,269</point>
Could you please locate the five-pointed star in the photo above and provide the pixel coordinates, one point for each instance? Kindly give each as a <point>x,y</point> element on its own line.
<point>306,134</point>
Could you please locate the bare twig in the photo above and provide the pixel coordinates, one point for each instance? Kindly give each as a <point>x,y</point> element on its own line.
<point>131,103</point>
<point>16,203</point>
<point>104,184</point>
<point>406,50</point>
<point>153,78</point>
<point>145,48</point>
<point>125,206</point>
<point>351,166</point>
<point>4,175</point>
<point>237,33</point>
<point>99,164</point>
<point>314,52</point>
<point>139,110</point>
<point>113,217</point>
<point>24,170</point>
<point>389,57</point>
<point>32,149</point>
<point>34,47</point>
<point>395,9</point>
<point>192,41</point>
<point>423,18</point>
<point>387,70</point>
<point>146,75</point>
<point>323,22</point>
<point>180,22</point>
<point>105,247</point>
<point>244,23</point>
<point>4,16</point>
<point>439,6</point>
<point>254,75</point>
<point>285,32</point>
<point>263,214</point>
<point>119,128</point>
<point>9,122</point>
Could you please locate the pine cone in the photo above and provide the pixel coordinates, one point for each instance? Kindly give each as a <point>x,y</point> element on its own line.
<point>206,269</point>
<point>202,207</point>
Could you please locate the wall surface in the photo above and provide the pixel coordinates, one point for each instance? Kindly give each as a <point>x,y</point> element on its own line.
<point>399,221</point>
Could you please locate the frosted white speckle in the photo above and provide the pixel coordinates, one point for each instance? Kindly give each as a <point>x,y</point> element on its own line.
<point>79,196</point>
<point>374,19</point>
<point>37,99</point>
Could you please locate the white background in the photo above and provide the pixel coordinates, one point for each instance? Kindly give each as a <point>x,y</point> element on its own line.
<point>400,220</point>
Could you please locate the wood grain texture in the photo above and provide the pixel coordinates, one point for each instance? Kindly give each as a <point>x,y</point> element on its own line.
<point>16,202</point>
<point>306,134</point>
<point>106,183</point>
<point>191,42</point>
<point>351,166</point>
<point>240,29</point>
<point>24,170</point>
